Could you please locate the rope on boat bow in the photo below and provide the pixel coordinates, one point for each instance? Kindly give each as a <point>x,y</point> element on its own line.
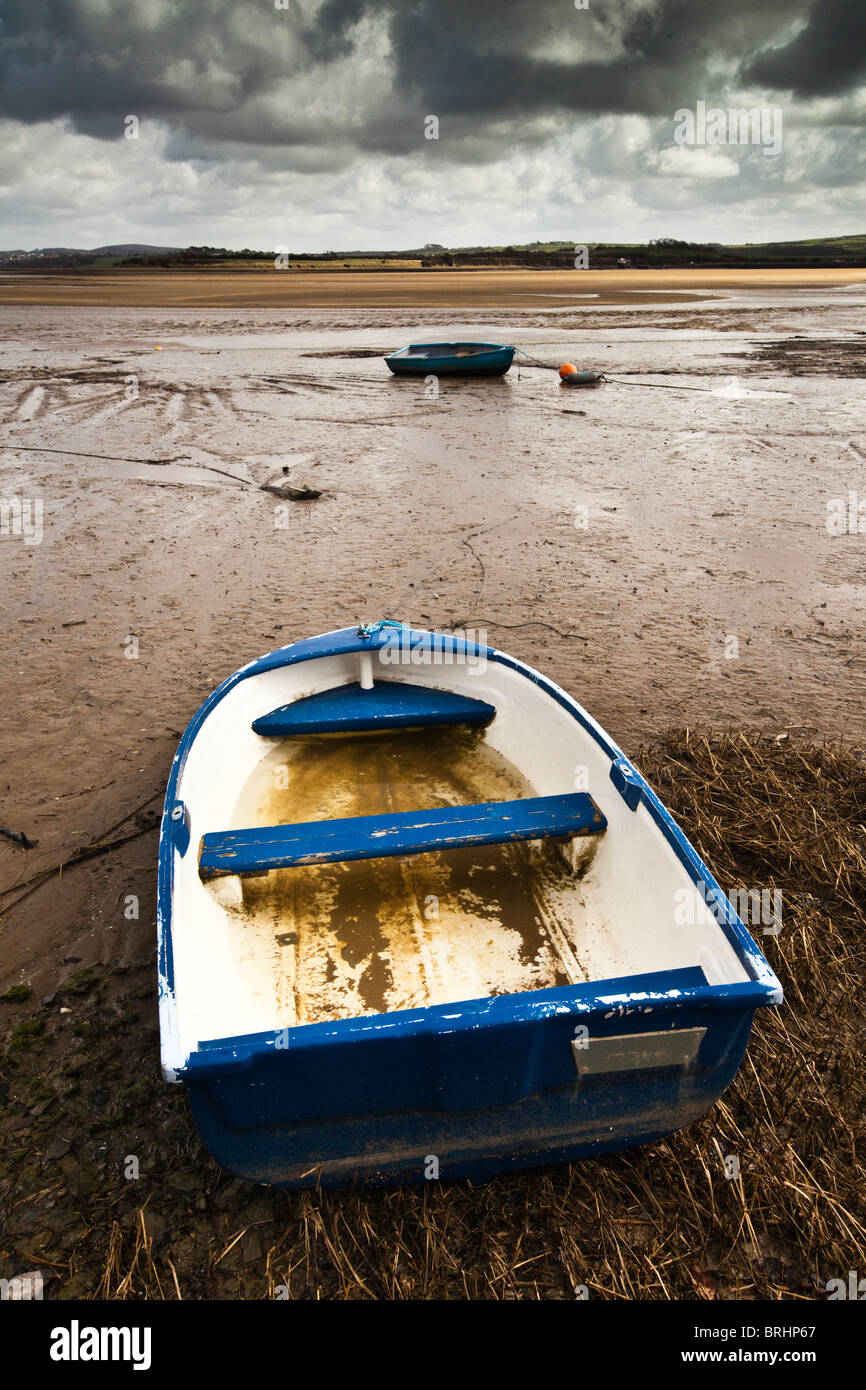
<point>369,629</point>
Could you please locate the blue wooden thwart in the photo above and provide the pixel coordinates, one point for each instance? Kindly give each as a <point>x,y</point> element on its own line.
<point>389,705</point>
<point>408,832</point>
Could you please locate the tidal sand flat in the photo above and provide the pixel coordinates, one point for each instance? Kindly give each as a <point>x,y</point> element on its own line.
<point>257,287</point>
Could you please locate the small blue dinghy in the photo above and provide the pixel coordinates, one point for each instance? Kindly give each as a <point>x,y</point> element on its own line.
<point>451,359</point>
<point>419,915</point>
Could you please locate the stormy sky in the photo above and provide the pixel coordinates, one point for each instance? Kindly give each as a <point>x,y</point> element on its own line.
<point>304,123</point>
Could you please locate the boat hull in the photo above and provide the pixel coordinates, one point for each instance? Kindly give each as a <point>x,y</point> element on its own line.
<point>494,363</point>
<point>467,1104</point>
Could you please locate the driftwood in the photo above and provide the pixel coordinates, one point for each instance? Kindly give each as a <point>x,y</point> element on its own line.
<point>18,838</point>
<point>303,493</point>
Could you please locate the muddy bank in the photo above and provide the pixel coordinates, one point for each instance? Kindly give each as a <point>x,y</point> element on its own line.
<point>835,357</point>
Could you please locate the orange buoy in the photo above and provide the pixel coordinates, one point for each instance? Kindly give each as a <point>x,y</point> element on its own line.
<point>567,369</point>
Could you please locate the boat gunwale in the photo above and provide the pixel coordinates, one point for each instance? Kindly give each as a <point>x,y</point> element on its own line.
<point>589,1002</point>
<point>487,358</point>
<point>761,989</point>
<point>481,349</point>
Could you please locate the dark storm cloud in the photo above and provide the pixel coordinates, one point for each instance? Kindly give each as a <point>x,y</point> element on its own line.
<point>826,57</point>
<point>467,58</point>
<point>235,73</point>
<point>331,34</point>
<point>179,61</point>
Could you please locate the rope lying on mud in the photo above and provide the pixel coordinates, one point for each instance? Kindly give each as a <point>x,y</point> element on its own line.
<point>660,386</point>
<point>146,822</point>
<point>122,458</point>
<point>533,622</point>
<point>288,491</point>
<point>75,453</point>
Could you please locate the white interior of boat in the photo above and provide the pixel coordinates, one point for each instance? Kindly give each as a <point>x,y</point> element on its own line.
<point>446,350</point>
<point>320,942</point>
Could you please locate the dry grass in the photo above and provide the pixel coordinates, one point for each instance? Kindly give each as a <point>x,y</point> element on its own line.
<point>662,1222</point>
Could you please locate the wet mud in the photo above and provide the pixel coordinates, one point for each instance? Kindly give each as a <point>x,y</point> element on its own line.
<point>664,555</point>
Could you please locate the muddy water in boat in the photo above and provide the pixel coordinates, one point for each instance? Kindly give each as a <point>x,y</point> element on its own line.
<point>343,940</point>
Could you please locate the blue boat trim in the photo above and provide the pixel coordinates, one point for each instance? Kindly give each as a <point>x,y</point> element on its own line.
<point>627,782</point>
<point>763,987</point>
<point>633,998</point>
<point>262,848</point>
<point>388,705</point>
<point>179,816</point>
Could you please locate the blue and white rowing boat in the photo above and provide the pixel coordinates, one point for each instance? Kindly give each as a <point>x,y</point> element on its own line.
<point>451,359</point>
<point>415,907</point>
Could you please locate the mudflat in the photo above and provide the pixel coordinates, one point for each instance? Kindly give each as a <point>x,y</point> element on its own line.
<point>325,288</point>
<point>663,546</point>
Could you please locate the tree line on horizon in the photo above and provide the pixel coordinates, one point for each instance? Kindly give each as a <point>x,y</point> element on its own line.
<point>660,253</point>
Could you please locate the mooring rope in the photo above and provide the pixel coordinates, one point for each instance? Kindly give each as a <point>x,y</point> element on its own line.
<point>533,361</point>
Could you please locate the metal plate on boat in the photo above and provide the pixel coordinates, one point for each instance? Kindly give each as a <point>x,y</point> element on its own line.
<point>637,1052</point>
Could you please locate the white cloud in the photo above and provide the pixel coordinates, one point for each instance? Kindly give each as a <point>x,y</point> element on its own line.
<point>695,162</point>
<point>608,178</point>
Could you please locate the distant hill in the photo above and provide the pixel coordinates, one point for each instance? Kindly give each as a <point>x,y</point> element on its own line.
<point>135,248</point>
<point>57,257</point>
<point>128,248</point>
<point>663,253</point>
